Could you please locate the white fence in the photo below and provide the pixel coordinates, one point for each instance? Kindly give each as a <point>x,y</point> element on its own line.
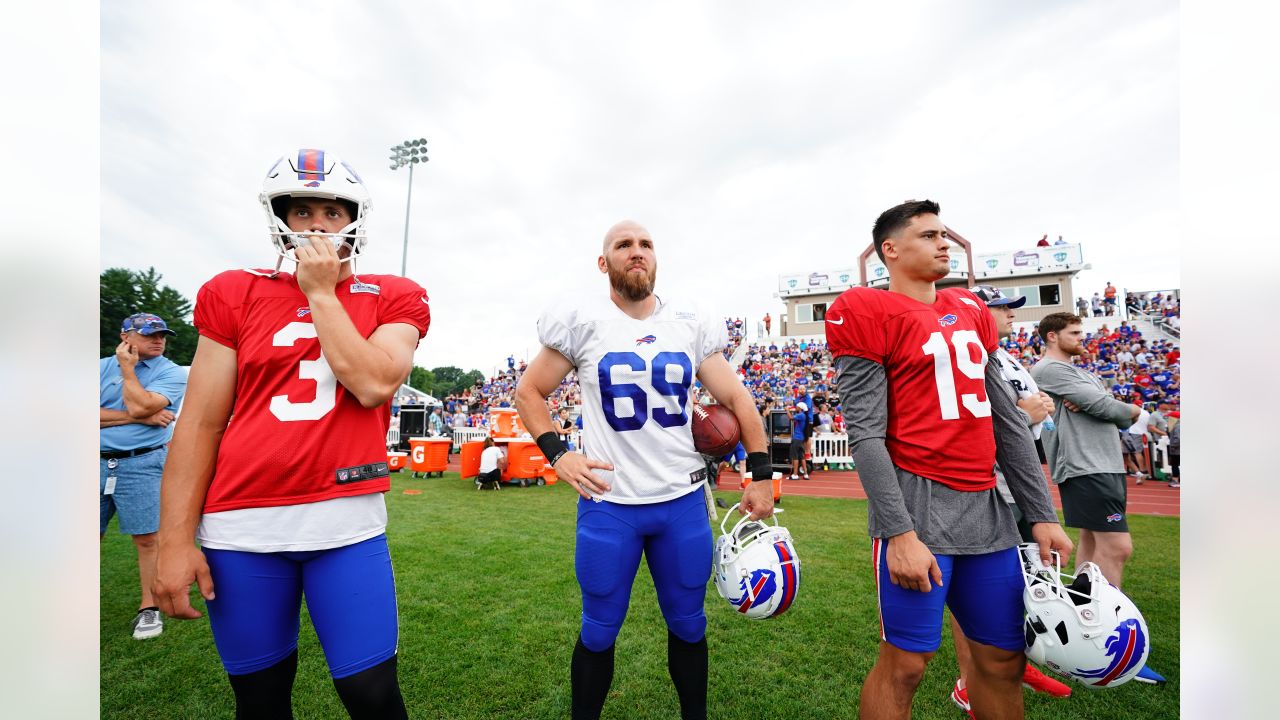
<point>831,448</point>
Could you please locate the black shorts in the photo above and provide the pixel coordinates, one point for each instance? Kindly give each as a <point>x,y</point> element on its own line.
<point>1095,502</point>
<point>797,449</point>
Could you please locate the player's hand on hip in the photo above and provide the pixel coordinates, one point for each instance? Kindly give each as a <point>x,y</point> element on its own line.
<point>176,570</point>
<point>911,564</point>
<point>757,499</point>
<point>318,265</point>
<point>126,354</point>
<point>575,469</point>
<point>1050,536</point>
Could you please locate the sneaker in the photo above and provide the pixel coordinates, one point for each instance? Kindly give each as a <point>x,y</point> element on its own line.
<point>1038,681</point>
<point>1175,484</point>
<point>1149,676</point>
<point>147,623</point>
<point>960,696</point>
<point>791,477</point>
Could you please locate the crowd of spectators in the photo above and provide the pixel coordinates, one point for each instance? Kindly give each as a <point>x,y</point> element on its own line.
<point>781,374</point>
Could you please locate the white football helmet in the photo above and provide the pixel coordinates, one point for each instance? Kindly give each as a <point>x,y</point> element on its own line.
<point>1087,629</point>
<point>313,173</point>
<point>756,567</point>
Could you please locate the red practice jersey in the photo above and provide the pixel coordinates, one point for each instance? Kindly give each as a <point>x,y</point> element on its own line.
<point>296,434</point>
<point>935,358</point>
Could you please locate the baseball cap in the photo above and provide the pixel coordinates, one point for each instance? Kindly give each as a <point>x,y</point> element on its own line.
<point>145,324</point>
<point>802,406</point>
<point>994,298</point>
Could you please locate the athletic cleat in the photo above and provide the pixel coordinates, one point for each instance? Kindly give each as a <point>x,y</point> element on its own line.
<point>1175,484</point>
<point>1034,679</point>
<point>1149,676</point>
<point>147,623</point>
<point>960,696</point>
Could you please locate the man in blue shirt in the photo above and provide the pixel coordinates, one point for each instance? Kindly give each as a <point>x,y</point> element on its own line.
<point>140,391</point>
<point>799,421</point>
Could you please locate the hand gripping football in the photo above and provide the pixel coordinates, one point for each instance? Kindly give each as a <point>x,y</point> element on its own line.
<point>715,430</point>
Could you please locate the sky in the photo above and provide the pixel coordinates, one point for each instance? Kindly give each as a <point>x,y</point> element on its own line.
<point>750,140</point>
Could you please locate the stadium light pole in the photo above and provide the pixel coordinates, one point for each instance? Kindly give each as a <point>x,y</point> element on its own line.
<point>409,152</point>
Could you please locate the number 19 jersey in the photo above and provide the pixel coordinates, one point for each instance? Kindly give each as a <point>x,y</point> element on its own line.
<point>297,435</point>
<point>935,357</point>
<point>635,377</point>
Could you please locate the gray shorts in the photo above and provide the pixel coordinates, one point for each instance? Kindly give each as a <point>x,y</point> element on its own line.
<point>137,493</point>
<point>1095,502</point>
<point>1133,444</point>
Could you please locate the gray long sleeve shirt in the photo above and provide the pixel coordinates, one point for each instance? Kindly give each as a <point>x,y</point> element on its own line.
<point>1084,442</point>
<point>947,521</point>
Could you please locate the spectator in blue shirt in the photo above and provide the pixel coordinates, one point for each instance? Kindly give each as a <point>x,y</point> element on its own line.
<point>139,393</point>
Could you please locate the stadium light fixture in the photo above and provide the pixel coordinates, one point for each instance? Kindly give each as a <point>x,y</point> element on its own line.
<point>409,152</point>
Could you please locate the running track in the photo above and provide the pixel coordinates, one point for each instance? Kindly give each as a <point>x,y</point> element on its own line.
<point>1150,498</point>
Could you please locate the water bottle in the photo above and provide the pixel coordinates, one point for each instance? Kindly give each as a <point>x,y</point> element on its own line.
<point>1048,423</point>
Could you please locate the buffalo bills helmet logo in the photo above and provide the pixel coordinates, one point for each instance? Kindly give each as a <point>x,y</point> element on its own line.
<point>1126,648</point>
<point>646,340</point>
<point>948,319</point>
<point>763,585</point>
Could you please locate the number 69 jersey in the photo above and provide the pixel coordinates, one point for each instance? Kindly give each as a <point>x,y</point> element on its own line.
<point>635,377</point>
<point>296,434</point>
<point>935,357</point>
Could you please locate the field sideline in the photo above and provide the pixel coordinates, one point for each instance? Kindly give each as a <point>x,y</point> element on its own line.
<point>489,610</point>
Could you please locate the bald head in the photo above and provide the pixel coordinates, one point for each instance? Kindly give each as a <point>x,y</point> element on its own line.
<point>629,228</point>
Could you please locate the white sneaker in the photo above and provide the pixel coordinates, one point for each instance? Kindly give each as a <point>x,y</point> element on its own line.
<point>791,477</point>
<point>147,624</point>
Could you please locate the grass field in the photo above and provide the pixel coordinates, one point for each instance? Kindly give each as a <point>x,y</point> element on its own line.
<point>489,611</point>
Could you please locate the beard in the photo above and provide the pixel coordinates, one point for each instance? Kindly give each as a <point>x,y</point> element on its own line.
<point>632,287</point>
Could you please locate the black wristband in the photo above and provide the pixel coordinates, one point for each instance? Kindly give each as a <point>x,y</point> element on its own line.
<point>760,467</point>
<point>551,446</point>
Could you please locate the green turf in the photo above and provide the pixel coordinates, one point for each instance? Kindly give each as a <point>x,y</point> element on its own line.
<point>489,612</point>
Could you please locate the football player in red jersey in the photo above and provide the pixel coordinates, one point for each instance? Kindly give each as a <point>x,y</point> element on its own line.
<point>279,462</point>
<point>912,369</point>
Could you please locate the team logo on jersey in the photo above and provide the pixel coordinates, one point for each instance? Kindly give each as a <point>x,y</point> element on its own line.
<point>304,311</point>
<point>1125,648</point>
<point>646,340</point>
<point>948,319</point>
<point>1115,517</point>
<point>763,585</point>
<point>359,287</point>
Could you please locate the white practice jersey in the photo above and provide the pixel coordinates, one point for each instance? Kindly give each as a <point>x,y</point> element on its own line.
<point>636,378</point>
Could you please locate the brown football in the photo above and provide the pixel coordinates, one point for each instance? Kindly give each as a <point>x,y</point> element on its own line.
<point>715,430</point>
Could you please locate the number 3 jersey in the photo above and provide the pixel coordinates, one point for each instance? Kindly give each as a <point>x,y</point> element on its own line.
<point>935,357</point>
<point>635,377</point>
<point>297,435</point>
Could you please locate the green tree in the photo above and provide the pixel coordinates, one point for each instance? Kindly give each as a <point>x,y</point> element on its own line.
<point>123,292</point>
<point>422,379</point>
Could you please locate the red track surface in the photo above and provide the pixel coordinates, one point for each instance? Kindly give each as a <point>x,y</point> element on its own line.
<point>1150,498</point>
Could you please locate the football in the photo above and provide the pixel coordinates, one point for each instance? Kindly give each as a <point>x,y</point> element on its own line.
<point>715,430</point>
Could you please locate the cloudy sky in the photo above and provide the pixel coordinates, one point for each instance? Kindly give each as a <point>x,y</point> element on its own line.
<point>751,140</point>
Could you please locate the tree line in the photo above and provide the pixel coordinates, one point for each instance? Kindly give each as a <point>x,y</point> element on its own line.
<point>123,292</point>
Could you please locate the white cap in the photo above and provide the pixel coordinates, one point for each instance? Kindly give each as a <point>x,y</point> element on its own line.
<point>802,406</point>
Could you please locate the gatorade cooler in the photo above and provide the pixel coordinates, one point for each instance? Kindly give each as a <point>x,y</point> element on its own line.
<point>502,422</point>
<point>397,461</point>
<point>471,458</point>
<point>429,455</point>
<point>777,485</point>
<point>524,463</point>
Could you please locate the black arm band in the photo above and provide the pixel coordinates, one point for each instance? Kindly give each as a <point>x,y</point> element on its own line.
<point>760,466</point>
<point>551,446</point>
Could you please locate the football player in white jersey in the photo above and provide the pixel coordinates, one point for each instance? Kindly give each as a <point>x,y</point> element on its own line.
<point>640,479</point>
